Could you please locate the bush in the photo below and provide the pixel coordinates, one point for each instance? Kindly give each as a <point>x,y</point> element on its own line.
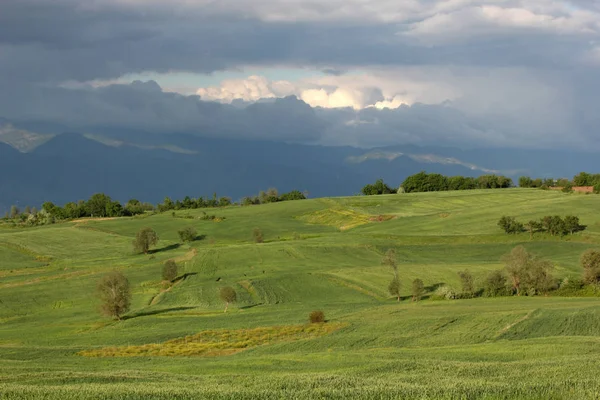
<point>188,234</point>
<point>495,284</point>
<point>466,280</point>
<point>445,292</point>
<point>316,317</point>
<point>169,271</point>
<point>418,288</point>
<point>257,235</point>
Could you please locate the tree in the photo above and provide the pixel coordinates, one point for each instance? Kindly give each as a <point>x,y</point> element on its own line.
<point>394,287</point>
<point>510,225</point>
<point>528,273</point>
<point>114,292</point>
<point>169,271</point>
<point>495,283</point>
<point>571,223</point>
<point>144,239</point>
<point>293,195</point>
<point>538,277</point>
<point>590,261</point>
<point>257,235</point>
<point>27,210</point>
<point>516,263</point>
<point>228,295</point>
<point>466,280</point>
<point>188,234</point>
<point>525,182</point>
<point>97,205</point>
<point>389,259</point>
<point>583,179</point>
<point>418,288</point>
<point>14,212</point>
<point>379,187</point>
<point>532,227</point>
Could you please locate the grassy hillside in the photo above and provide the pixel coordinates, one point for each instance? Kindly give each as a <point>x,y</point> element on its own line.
<point>318,254</point>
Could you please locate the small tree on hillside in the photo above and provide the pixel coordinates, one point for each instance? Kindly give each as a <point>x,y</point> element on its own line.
<point>144,239</point>
<point>590,261</point>
<point>510,225</point>
<point>394,287</point>
<point>389,259</point>
<point>418,288</point>
<point>188,234</point>
<point>528,272</point>
<point>257,235</point>
<point>571,223</point>
<point>516,264</point>
<point>466,280</point>
<point>532,227</point>
<point>169,271</point>
<point>115,294</point>
<point>228,295</point>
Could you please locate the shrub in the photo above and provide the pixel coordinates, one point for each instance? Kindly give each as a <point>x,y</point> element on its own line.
<point>495,284</point>
<point>590,261</point>
<point>445,292</point>
<point>169,271</point>
<point>466,280</point>
<point>188,234</point>
<point>257,235</point>
<point>316,317</point>
<point>418,288</point>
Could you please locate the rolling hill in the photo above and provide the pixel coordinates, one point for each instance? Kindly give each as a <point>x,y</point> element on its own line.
<point>319,254</point>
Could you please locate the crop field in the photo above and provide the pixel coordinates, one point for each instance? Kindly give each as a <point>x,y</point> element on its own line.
<point>318,254</point>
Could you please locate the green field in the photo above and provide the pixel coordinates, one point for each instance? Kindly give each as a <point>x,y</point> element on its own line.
<point>318,254</point>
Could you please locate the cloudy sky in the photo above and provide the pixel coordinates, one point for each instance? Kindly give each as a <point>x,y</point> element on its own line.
<point>337,72</point>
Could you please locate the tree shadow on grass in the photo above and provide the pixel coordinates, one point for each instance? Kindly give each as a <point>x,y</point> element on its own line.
<point>250,306</point>
<point>184,276</point>
<point>166,248</point>
<point>155,312</point>
<point>200,237</point>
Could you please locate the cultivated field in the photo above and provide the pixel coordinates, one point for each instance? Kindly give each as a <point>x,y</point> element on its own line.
<point>318,254</point>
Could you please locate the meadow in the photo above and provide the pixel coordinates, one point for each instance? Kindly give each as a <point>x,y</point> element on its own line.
<point>318,254</point>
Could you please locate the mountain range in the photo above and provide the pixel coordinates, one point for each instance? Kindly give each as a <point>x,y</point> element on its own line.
<point>71,166</point>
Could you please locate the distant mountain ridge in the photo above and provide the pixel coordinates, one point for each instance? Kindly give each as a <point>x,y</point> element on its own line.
<point>72,166</point>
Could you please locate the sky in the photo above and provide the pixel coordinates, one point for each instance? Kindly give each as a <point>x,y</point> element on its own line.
<point>366,73</point>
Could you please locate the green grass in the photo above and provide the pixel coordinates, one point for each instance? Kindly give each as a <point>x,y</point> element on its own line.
<point>318,254</point>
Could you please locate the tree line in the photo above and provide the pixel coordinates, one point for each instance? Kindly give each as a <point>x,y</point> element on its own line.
<point>424,182</point>
<point>524,273</point>
<point>581,179</point>
<point>101,205</point>
<point>552,224</point>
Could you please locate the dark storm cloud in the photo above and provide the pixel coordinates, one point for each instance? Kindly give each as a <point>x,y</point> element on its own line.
<point>144,106</point>
<point>67,40</point>
<point>44,43</point>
